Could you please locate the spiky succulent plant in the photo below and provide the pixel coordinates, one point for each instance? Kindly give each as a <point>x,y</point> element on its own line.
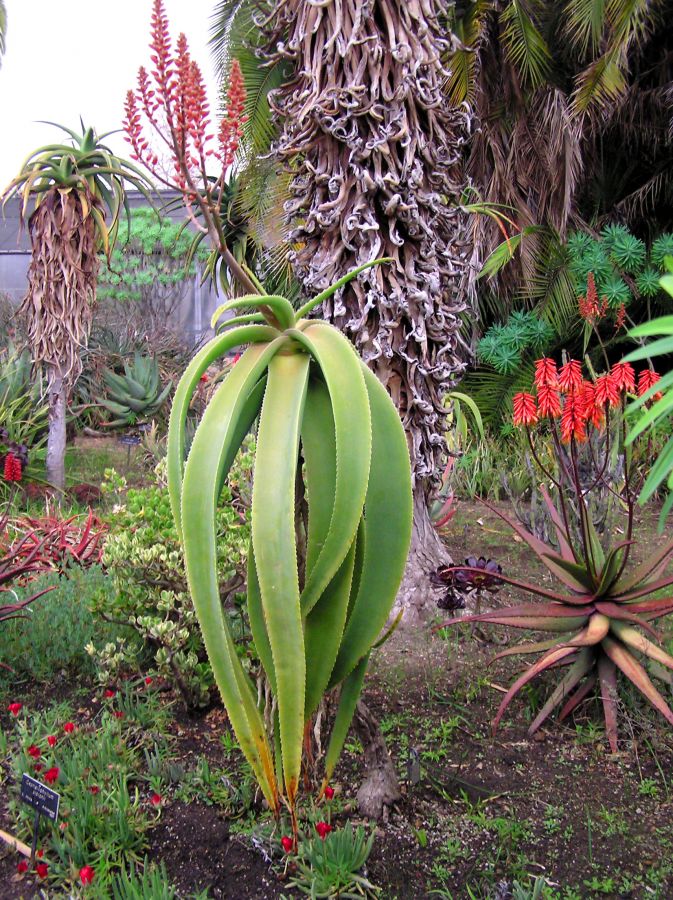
<point>137,394</point>
<point>601,616</point>
<point>327,429</point>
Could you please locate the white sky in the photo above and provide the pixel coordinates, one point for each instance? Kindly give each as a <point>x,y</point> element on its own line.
<point>67,58</point>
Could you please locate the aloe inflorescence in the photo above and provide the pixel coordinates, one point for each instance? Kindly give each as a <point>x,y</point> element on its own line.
<point>328,429</point>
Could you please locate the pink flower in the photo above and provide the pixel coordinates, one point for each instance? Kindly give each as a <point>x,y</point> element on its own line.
<point>51,775</point>
<point>287,844</point>
<point>34,751</point>
<point>329,792</point>
<point>69,727</point>
<point>51,740</point>
<point>323,829</point>
<point>86,874</point>
<point>15,708</point>
<point>156,799</point>
<point>42,869</point>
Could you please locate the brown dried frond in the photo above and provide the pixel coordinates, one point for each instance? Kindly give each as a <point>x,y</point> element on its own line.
<point>61,280</point>
<point>375,153</point>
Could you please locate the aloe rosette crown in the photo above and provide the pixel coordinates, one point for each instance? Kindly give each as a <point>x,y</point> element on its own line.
<point>327,427</point>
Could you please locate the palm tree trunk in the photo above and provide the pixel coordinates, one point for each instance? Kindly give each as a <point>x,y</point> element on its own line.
<point>375,152</point>
<point>56,438</point>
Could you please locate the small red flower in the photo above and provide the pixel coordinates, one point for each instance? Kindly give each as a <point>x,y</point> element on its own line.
<point>38,767</point>
<point>51,775</point>
<point>593,411</point>
<point>323,829</point>
<point>109,693</point>
<point>204,379</point>
<point>42,870</point>
<point>624,377</point>
<point>287,844</point>
<point>69,727</point>
<point>94,789</point>
<point>606,391</point>
<point>156,799</point>
<point>149,679</point>
<point>15,708</point>
<point>647,379</point>
<point>573,419</point>
<point>589,307</point>
<point>570,376</point>
<point>22,867</point>
<point>40,854</point>
<point>525,410</point>
<point>329,792</point>
<point>86,874</point>
<point>34,751</point>
<point>51,740</point>
<point>620,318</point>
<point>118,714</point>
<point>545,373</point>
<point>548,401</point>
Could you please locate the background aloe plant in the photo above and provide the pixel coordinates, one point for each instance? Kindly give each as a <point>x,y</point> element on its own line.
<point>604,608</point>
<point>320,590</point>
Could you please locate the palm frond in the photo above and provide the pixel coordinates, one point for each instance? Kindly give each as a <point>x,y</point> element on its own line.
<point>600,84</point>
<point>468,31</point>
<point>584,23</point>
<point>525,46</point>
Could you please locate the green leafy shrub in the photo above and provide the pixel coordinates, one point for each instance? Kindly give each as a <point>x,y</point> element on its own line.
<point>57,627</point>
<point>145,563</point>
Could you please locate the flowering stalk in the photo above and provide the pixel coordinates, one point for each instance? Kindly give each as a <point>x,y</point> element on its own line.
<point>168,124</point>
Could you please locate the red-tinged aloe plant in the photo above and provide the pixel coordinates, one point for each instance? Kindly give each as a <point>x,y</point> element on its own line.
<point>62,542</point>
<point>18,563</point>
<point>601,615</point>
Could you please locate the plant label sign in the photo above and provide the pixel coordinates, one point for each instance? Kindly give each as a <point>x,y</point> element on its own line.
<point>43,800</point>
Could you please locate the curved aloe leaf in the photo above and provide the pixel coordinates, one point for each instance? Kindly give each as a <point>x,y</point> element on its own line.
<point>211,448</point>
<point>341,369</point>
<point>575,674</point>
<point>274,542</point>
<point>175,451</point>
<point>350,692</point>
<point>387,527</point>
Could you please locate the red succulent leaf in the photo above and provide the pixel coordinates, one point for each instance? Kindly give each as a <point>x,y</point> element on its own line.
<point>546,662</point>
<point>607,674</point>
<point>569,682</point>
<point>630,667</point>
<point>579,695</point>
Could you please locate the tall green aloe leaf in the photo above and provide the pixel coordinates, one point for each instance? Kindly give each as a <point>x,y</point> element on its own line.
<point>318,597</point>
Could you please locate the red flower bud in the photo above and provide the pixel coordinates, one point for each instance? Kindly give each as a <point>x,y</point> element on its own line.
<point>156,799</point>
<point>323,829</point>
<point>109,693</point>
<point>94,789</point>
<point>42,870</point>
<point>15,708</point>
<point>22,867</point>
<point>287,844</point>
<point>86,874</point>
<point>51,740</point>
<point>34,751</point>
<point>329,792</point>
<point>51,775</point>
<point>69,727</point>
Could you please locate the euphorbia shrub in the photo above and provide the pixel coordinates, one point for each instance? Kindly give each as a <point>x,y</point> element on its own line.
<point>601,613</point>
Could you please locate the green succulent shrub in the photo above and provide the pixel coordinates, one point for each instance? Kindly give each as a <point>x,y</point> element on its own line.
<point>144,560</point>
<point>329,866</point>
<point>503,346</point>
<point>319,591</point>
<point>137,395</point>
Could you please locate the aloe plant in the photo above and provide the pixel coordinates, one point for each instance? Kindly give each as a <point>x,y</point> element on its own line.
<point>600,616</point>
<point>137,394</point>
<point>328,428</point>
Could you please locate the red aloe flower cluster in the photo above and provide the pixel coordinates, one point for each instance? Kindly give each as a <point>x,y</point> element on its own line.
<point>171,99</point>
<point>591,308</point>
<point>564,393</point>
<point>12,470</point>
